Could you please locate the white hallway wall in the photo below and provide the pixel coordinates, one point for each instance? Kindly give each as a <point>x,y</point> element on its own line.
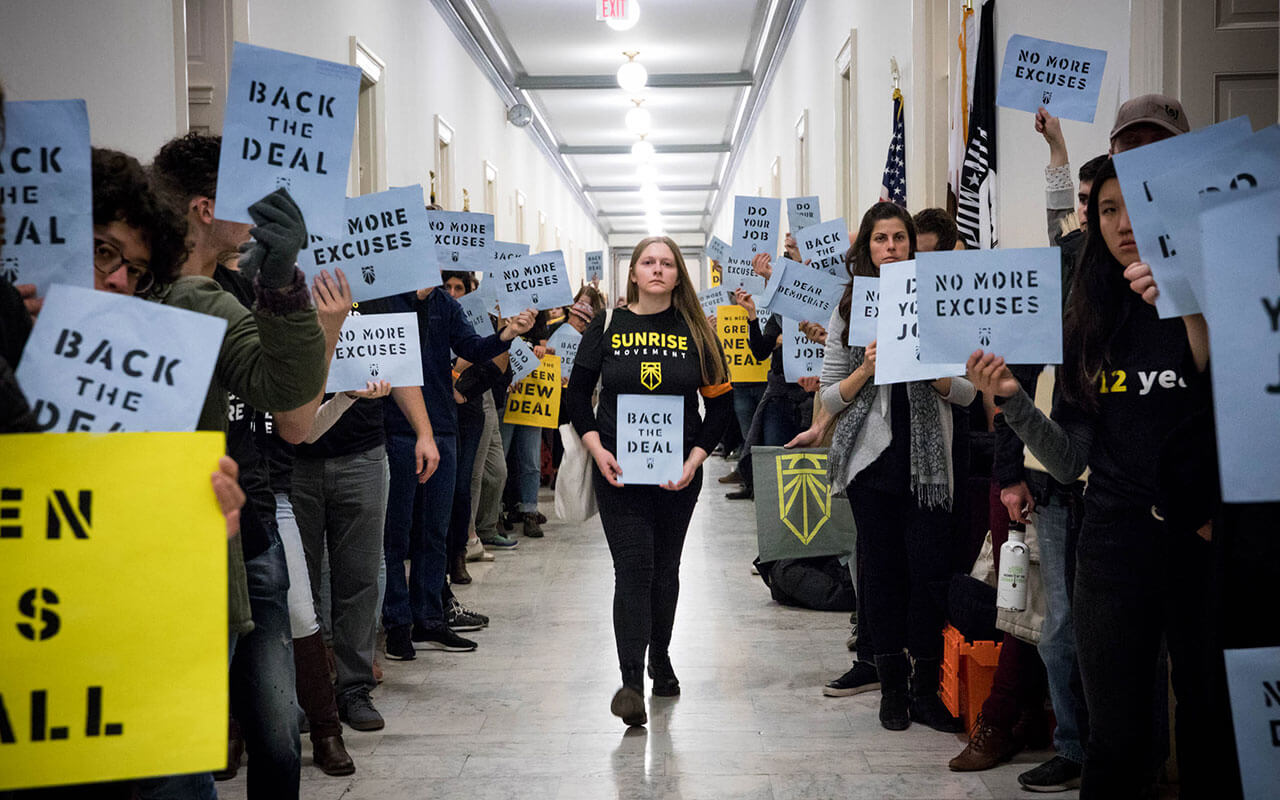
<point>122,63</point>
<point>807,77</point>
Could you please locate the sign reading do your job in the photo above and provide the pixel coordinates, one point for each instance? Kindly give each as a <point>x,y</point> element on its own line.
<point>539,282</point>
<point>289,123</point>
<point>87,555</point>
<point>1063,78</point>
<point>100,362</point>
<point>755,226</point>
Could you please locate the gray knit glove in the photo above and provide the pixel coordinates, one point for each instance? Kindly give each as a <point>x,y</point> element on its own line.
<point>280,233</point>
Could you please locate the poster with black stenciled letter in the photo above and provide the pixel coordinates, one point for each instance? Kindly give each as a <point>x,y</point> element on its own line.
<point>476,307</point>
<point>898,356</point>
<point>650,438</point>
<point>500,252</point>
<point>801,356</point>
<point>463,239</point>
<point>565,343</point>
<point>1065,79</point>
<point>385,250</point>
<point>538,281</point>
<point>376,347</point>
<point>737,273</point>
<point>864,310</point>
<point>802,212</point>
<point>823,245</point>
<point>289,123</point>
<point>802,292</point>
<point>595,265</point>
<point>755,226</point>
<point>521,359</point>
<point>47,194</point>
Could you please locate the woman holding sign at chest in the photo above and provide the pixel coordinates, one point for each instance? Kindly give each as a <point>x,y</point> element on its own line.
<point>654,358</point>
<point>892,450</point>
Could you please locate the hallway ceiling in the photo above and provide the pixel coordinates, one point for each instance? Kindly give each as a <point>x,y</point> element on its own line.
<point>709,66</point>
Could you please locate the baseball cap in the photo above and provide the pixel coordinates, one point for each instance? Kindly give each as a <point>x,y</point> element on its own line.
<point>1152,109</point>
<point>582,310</point>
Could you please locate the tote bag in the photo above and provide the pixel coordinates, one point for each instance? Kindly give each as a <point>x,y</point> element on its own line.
<point>575,493</point>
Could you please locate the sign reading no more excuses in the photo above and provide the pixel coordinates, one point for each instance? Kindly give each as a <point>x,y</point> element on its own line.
<point>376,347</point>
<point>864,311</point>
<point>755,226</point>
<point>650,438</point>
<point>1063,78</point>
<point>898,357</point>
<point>289,123</point>
<point>713,298</point>
<point>539,282</point>
<point>463,240</point>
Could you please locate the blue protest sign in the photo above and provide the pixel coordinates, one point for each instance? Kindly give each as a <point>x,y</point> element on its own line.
<point>386,250</point>
<point>502,251</point>
<point>100,362</point>
<point>864,311</point>
<point>1007,302</point>
<point>1063,78</point>
<point>801,213</point>
<point>376,347</point>
<point>564,342</point>
<point>595,265</point>
<point>713,298</point>
<point>650,438</point>
<point>1243,311</point>
<point>717,250</point>
<point>824,245</point>
<point>1255,690</point>
<point>47,195</point>
<point>476,307</point>
<point>1157,242</point>
<point>802,292</point>
<point>538,281</point>
<point>289,123</point>
<point>523,361</point>
<point>463,239</point>
<point>801,358</point>
<point>755,226</point>
<point>898,357</point>
<point>1250,165</point>
<point>736,273</point>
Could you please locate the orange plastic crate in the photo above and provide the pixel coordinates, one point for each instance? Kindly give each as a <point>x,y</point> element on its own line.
<point>968,669</point>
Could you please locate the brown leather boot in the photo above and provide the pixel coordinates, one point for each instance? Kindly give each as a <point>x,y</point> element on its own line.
<point>458,569</point>
<point>330,754</point>
<point>988,746</point>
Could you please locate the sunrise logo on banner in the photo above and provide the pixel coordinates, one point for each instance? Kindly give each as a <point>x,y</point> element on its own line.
<point>801,358</point>
<point>795,517</point>
<point>289,123</point>
<point>864,312</point>
<point>534,400</point>
<point>101,362</point>
<point>650,438</point>
<point>802,292</point>
<point>385,249</point>
<point>539,282</point>
<point>1002,301</point>
<point>898,357</point>
<point>47,194</point>
<point>522,359</point>
<point>1157,242</point>
<point>735,340</point>
<point>1063,78</point>
<point>713,298</point>
<point>755,227</point>
<point>595,266</point>
<point>83,530</point>
<point>463,239</point>
<point>565,343</point>
<point>801,213</point>
<point>376,347</point>
<point>824,245</point>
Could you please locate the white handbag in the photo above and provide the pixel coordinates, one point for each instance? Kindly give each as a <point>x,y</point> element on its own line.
<point>575,493</point>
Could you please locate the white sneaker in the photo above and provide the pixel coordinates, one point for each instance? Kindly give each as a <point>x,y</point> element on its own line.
<point>476,551</point>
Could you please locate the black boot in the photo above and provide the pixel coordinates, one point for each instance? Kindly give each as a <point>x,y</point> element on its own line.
<point>628,702</point>
<point>927,707</point>
<point>893,670</point>
<point>665,682</point>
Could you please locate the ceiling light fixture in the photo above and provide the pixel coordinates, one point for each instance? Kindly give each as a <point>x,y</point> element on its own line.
<point>638,119</point>
<point>632,76</point>
<point>629,18</point>
<point>642,151</point>
<point>649,191</point>
<point>646,173</point>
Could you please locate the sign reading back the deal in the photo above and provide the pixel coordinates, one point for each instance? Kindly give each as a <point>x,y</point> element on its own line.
<point>289,123</point>
<point>802,292</point>
<point>386,249</point>
<point>535,399</point>
<point>713,298</point>
<point>898,356</point>
<point>83,531</point>
<point>46,194</point>
<point>755,226</point>
<point>376,347</point>
<point>1255,695</point>
<point>595,265</point>
<point>463,239</point>
<point>1007,302</point>
<point>801,357</point>
<point>523,361</point>
<point>824,245</point>
<point>650,438</point>
<point>801,213</point>
<point>735,340</point>
<point>864,311</point>
<point>1157,242</point>
<point>1063,78</point>
<point>98,361</point>
<point>565,343</point>
<point>538,281</point>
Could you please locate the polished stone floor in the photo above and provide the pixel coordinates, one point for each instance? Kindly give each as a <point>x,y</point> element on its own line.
<point>527,715</point>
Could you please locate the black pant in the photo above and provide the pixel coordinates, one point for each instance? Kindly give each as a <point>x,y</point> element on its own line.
<point>903,554</point>
<point>645,527</point>
<point>1135,581</point>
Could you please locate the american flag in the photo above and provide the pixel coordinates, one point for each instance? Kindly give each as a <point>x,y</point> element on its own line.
<point>894,184</point>
<point>976,203</point>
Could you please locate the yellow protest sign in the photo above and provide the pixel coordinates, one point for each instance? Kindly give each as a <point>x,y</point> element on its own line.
<point>113,607</point>
<point>535,400</point>
<point>731,327</point>
<point>716,273</point>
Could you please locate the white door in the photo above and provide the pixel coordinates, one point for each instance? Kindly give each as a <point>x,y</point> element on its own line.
<point>1226,61</point>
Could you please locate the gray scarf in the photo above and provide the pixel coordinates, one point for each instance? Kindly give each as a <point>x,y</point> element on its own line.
<point>928,450</point>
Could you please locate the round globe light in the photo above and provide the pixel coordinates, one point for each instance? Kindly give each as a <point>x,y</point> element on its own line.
<point>642,151</point>
<point>628,20</point>
<point>632,76</point>
<point>646,173</point>
<point>639,120</point>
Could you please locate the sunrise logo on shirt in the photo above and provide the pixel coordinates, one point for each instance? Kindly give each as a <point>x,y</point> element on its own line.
<point>651,374</point>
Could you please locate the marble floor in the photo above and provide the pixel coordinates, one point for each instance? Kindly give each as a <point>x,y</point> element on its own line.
<point>527,715</point>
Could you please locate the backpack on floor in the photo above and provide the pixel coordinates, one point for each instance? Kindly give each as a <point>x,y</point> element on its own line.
<point>821,583</point>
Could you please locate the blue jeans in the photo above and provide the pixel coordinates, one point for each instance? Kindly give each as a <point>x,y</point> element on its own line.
<point>777,420</point>
<point>417,529</point>
<point>746,396</point>
<point>527,440</point>
<point>1057,647</point>
<point>196,786</point>
<point>470,428</point>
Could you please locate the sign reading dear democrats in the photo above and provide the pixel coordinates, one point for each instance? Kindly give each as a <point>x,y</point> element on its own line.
<point>386,249</point>
<point>755,226</point>
<point>1007,302</point>
<point>376,347</point>
<point>289,123</point>
<point>824,245</point>
<point>476,307</point>
<point>801,213</point>
<point>1063,78</point>
<point>463,240</point>
<point>47,195</point>
<point>801,292</point>
<point>864,312</point>
<point>538,281</point>
<point>898,357</point>
<point>98,361</point>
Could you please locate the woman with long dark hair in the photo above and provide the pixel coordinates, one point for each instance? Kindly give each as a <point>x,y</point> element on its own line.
<point>891,452</point>
<point>1129,382</point>
<point>659,345</point>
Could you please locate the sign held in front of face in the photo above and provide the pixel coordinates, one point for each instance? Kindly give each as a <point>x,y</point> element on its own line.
<point>463,239</point>
<point>376,347</point>
<point>650,438</point>
<point>1063,78</point>
<point>898,357</point>
<point>46,194</point>
<point>755,226</point>
<point>717,249</point>
<point>102,362</point>
<point>539,282</point>
<point>735,340</point>
<point>289,123</point>
<point>738,274</point>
